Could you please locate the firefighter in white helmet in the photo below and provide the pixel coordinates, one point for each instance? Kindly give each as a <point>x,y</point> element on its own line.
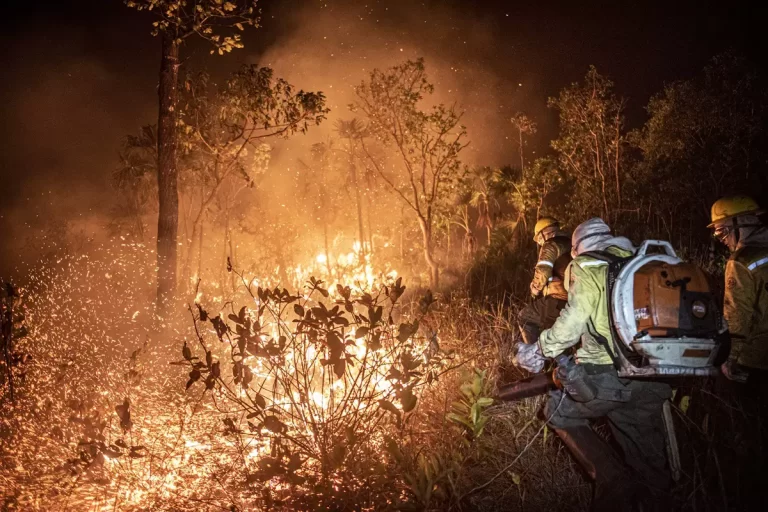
<point>632,407</point>
<point>547,287</point>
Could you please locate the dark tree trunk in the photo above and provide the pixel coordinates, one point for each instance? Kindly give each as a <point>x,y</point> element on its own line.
<point>361,232</point>
<point>167,176</point>
<point>426,237</point>
<point>326,247</point>
<point>200,253</point>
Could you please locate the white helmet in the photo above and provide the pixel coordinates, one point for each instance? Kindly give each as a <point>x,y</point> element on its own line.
<point>589,230</point>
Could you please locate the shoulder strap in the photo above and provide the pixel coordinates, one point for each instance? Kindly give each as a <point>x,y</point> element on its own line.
<point>603,343</point>
<point>601,255</point>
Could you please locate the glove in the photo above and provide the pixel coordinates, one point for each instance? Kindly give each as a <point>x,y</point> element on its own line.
<point>535,292</point>
<point>529,357</point>
<point>734,371</point>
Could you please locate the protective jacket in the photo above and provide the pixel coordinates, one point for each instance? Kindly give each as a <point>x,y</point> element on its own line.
<point>746,301</point>
<point>549,274</point>
<point>586,312</point>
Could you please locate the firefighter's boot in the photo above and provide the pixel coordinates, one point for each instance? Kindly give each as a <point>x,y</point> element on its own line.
<point>614,488</point>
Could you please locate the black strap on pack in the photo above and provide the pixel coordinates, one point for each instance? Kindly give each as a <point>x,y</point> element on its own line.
<point>603,343</point>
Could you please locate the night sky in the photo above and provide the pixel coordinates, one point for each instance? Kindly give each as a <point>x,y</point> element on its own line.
<point>80,75</point>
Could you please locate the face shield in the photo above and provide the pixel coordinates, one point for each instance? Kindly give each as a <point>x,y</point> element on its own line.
<point>722,232</point>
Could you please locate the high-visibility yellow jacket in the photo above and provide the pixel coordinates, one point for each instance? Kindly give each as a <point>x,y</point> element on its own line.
<point>549,274</point>
<point>585,313</point>
<point>746,301</point>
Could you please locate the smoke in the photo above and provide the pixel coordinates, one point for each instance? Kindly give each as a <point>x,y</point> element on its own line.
<point>67,107</point>
<point>80,77</point>
<point>334,47</point>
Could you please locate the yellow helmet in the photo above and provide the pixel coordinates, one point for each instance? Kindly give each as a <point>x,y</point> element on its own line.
<point>542,224</point>
<point>729,207</point>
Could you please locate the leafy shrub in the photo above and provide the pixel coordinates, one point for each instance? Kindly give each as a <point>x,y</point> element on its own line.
<point>311,384</point>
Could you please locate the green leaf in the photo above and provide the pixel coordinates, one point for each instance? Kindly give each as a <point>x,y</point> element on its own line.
<point>485,402</point>
<point>460,420</point>
<point>477,385</point>
<point>475,413</point>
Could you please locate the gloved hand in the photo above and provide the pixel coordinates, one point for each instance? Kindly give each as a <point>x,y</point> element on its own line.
<point>734,371</point>
<point>535,292</point>
<point>529,357</point>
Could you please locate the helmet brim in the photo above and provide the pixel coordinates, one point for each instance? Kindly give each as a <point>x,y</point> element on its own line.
<point>729,217</point>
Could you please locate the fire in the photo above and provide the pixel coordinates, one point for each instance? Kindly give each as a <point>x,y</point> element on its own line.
<point>180,439</point>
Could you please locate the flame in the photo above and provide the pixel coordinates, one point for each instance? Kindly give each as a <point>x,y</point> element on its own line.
<point>192,443</point>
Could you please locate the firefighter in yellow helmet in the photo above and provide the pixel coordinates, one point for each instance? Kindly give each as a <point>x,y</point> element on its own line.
<point>736,224</point>
<point>547,287</point>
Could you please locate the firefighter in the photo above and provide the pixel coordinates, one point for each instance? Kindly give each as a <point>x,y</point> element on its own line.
<point>633,407</point>
<point>547,287</point>
<point>735,223</point>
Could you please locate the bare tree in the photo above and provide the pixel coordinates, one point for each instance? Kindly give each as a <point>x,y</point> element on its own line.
<point>524,126</point>
<point>592,143</point>
<point>353,131</point>
<point>225,123</point>
<point>427,144</point>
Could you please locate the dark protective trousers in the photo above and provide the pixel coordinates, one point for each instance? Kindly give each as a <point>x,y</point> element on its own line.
<point>634,411</point>
<point>537,316</point>
<point>740,434</point>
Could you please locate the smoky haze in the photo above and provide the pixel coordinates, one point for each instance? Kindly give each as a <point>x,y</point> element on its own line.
<point>81,76</point>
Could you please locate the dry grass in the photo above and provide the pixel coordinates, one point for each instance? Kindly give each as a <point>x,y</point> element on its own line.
<point>516,464</point>
<point>519,464</point>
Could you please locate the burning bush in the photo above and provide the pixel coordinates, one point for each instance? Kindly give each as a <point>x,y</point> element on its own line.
<point>310,388</point>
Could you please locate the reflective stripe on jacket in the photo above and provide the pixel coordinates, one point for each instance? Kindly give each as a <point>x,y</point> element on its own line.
<point>746,305</point>
<point>550,267</point>
<point>587,300</point>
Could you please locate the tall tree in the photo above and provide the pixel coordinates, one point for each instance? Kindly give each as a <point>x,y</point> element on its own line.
<point>427,143</point>
<point>223,123</point>
<point>489,186</point>
<point>134,181</point>
<point>353,132</point>
<point>215,21</point>
<point>525,126</point>
<point>705,138</point>
<point>221,132</point>
<point>592,143</point>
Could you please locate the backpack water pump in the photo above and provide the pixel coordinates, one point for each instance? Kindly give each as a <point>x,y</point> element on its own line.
<point>664,314</point>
